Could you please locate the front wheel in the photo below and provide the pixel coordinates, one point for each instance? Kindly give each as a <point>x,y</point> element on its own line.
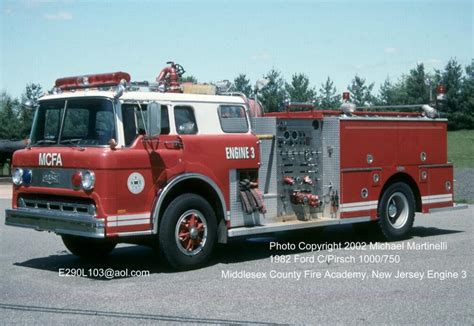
<point>88,248</point>
<point>396,211</point>
<point>187,232</point>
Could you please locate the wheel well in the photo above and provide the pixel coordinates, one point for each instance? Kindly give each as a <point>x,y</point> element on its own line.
<point>198,187</point>
<point>407,179</point>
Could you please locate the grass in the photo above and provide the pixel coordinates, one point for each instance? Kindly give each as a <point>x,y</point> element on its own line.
<point>461,153</point>
<point>461,148</point>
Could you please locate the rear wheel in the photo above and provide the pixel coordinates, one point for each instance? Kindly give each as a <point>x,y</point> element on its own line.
<point>396,211</point>
<point>88,248</point>
<point>187,233</point>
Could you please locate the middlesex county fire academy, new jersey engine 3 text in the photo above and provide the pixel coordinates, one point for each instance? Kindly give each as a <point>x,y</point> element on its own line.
<point>184,166</point>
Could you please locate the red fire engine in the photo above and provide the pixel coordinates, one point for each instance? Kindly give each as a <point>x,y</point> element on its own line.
<point>110,161</point>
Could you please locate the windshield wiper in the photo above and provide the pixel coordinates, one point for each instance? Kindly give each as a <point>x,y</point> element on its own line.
<point>45,141</point>
<point>72,142</point>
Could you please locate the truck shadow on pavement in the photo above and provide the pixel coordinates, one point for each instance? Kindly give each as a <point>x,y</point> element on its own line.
<point>259,247</point>
<point>126,259</point>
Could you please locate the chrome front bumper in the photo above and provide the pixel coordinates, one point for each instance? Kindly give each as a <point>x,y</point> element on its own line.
<point>56,221</point>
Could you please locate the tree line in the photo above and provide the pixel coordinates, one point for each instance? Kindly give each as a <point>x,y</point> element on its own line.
<point>15,118</point>
<point>416,87</point>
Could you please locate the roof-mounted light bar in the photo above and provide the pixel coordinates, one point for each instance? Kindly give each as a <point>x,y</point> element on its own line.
<point>88,81</point>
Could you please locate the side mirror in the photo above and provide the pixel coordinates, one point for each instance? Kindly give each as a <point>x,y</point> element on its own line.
<point>120,89</point>
<point>29,104</point>
<point>154,119</point>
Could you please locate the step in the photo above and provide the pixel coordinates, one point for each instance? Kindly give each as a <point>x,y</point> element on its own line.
<point>292,225</point>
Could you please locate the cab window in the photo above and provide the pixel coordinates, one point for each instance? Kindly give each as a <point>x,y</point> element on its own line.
<point>89,121</point>
<point>76,123</point>
<point>233,119</point>
<point>134,121</point>
<point>185,120</point>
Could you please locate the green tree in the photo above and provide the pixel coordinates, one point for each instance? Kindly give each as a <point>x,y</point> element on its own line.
<point>393,93</point>
<point>33,92</point>
<point>273,95</point>
<point>361,93</point>
<point>434,80</point>
<point>8,117</point>
<point>386,93</point>
<point>299,89</point>
<point>467,97</point>
<point>416,84</point>
<point>242,84</point>
<point>452,79</point>
<point>328,98</point>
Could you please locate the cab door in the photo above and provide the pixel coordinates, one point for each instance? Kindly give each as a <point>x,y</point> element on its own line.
<point>216,139</point>
<point>142,167</point>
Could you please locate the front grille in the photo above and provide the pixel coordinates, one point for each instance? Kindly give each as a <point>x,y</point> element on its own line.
<point>78,206</point>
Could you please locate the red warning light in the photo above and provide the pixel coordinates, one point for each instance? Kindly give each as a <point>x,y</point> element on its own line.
<point>440,93</point>
<point>76,180</point>
<point>97,80</point>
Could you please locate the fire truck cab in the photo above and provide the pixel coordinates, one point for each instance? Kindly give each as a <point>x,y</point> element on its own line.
<point>109,162</point>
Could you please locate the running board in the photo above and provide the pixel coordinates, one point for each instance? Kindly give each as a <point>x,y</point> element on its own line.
<point>455,207</point>
<point>292,225</point>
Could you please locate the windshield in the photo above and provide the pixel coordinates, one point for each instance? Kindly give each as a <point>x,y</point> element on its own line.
<point>85,121</point>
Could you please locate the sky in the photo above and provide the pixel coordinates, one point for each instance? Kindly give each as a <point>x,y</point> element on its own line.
<point>42,40</point>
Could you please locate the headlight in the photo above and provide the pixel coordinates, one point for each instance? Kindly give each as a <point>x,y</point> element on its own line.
<point>17,176</point>
<point>88,180</point>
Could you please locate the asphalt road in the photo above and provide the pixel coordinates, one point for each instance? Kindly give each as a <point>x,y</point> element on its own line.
<point>33,292</point>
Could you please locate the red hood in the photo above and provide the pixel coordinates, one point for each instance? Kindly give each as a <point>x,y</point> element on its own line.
<point>64,157</point>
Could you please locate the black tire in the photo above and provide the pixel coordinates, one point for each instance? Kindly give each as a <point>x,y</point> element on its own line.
<point>396,211</point>
<point>199,234</point>
<point>88,248</point>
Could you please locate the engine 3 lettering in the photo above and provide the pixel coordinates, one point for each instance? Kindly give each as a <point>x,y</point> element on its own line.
<point>239,153</point>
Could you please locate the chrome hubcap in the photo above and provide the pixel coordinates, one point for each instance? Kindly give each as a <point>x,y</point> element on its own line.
<point>392,210</point>
<point>398,210</point>
<point>191,232</point>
